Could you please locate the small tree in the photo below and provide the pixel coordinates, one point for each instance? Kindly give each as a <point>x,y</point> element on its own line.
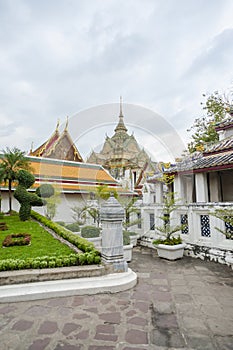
<point>129,207</point>
<point>226,215</point>
<point>103,192</point>
<point>203,130</point>
<point>170,204</point>
<point>12,161</point>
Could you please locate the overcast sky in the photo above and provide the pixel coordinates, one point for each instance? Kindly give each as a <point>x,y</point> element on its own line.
<point>75,58</point>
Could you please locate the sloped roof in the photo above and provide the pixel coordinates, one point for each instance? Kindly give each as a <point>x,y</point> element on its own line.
<point>72,177</point>
<point>58,146</point>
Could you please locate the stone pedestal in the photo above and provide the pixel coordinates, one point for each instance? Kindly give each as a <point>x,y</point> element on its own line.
<point>111,216</point>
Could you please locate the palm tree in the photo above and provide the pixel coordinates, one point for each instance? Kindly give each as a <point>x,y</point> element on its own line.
<point>12,161</point>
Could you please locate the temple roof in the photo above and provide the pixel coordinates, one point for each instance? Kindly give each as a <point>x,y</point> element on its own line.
<point>72,177</point>
<point>58,146</point>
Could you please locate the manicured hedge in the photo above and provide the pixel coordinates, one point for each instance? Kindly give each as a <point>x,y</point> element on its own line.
<point>50,261</point>
<point>78,241</point>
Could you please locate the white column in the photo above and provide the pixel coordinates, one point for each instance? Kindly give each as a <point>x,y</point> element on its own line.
<point>179,188</point>
<point>201,187</point>
<point>159,192</point>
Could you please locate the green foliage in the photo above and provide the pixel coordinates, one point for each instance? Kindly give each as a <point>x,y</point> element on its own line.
<point>225,215</point>
<point>45,251</point>
<point>78,241</point>
<point>42,243</point>
<point>25,198</point>
<point>62,223</point>
<point>129,207</point>
<point>45,191</point>
<point>74,227</point>
<point>126,238</point>
<point>12,161</point>
<point>17,239</point>
<point>90,232</point>
<point>166,229</point>
<point>104,192</point>
<point>203,129</point>
<point>80,214</point>
<point>170,241</point>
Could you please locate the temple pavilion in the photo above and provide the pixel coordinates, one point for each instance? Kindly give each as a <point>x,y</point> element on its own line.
<point>123,158</point>
<point>58,146</point>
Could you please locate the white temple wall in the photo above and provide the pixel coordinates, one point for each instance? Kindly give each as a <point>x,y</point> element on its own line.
<point>202,238</point>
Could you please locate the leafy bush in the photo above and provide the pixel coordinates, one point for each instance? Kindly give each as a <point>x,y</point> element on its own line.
<point>51,262</point>
<point>90,231</point>
<point>126,238</point>
<point>74,227</point>
<point>172,241</point>
<point>78,241</point>
<point>45,191</point>
<point>17,239</point>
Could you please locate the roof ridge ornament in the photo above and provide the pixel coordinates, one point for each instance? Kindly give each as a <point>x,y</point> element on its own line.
<point>121,125</point>
<point>58,124</point>
<point>121,114</point>
<point>67,122</point>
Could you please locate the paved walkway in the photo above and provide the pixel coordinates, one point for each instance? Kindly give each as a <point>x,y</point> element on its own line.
<point>187,304</point>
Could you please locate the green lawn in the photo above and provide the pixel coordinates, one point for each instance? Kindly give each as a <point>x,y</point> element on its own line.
<point>42,243</point>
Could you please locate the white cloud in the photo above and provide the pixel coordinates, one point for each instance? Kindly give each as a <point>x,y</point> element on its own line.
<point>58,58</point>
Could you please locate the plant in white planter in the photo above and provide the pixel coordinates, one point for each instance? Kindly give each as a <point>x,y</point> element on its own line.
<point>169,245</point>
<point>127,246</point>
<point>92,234</point>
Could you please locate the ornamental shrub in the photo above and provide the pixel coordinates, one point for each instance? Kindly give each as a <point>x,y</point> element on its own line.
<point>80,242</point>
<point>45,191</point>
<point>17,239</point>
<point>74,227</point>
<point>25,198</point>
<point>90,231</point>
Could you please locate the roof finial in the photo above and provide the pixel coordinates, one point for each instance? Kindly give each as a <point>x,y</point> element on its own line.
<point>58,123</point>
<point>67,122</point>
<point>31,147</point>
<point>121,115</point>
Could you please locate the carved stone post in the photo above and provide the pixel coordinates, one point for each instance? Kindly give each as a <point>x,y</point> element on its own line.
<point>111,216</point>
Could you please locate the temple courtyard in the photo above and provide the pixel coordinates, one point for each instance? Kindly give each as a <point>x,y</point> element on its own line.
<point>186,304</point>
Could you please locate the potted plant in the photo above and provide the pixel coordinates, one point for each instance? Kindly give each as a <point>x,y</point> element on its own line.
<point>92,234</point>
<point>169,245</point>
<point>127,246</point>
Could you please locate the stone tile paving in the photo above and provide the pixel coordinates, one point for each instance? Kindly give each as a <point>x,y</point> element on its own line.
<point>186,304</point>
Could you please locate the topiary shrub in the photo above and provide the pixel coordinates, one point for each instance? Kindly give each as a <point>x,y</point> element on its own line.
<point>45,191</point>
<point>90,232</point>
<point>26,199</point>
<point>74,227</point>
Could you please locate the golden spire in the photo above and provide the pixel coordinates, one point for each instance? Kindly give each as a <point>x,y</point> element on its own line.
<point>67,122</point>
<point>58,123</point>
<point>121,115</point>
<point>121,126</point>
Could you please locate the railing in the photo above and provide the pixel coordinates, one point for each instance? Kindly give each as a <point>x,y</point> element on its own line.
<point>200,235</point>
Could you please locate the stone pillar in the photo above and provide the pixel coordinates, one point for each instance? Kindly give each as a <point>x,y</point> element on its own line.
<point>111,216</point>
